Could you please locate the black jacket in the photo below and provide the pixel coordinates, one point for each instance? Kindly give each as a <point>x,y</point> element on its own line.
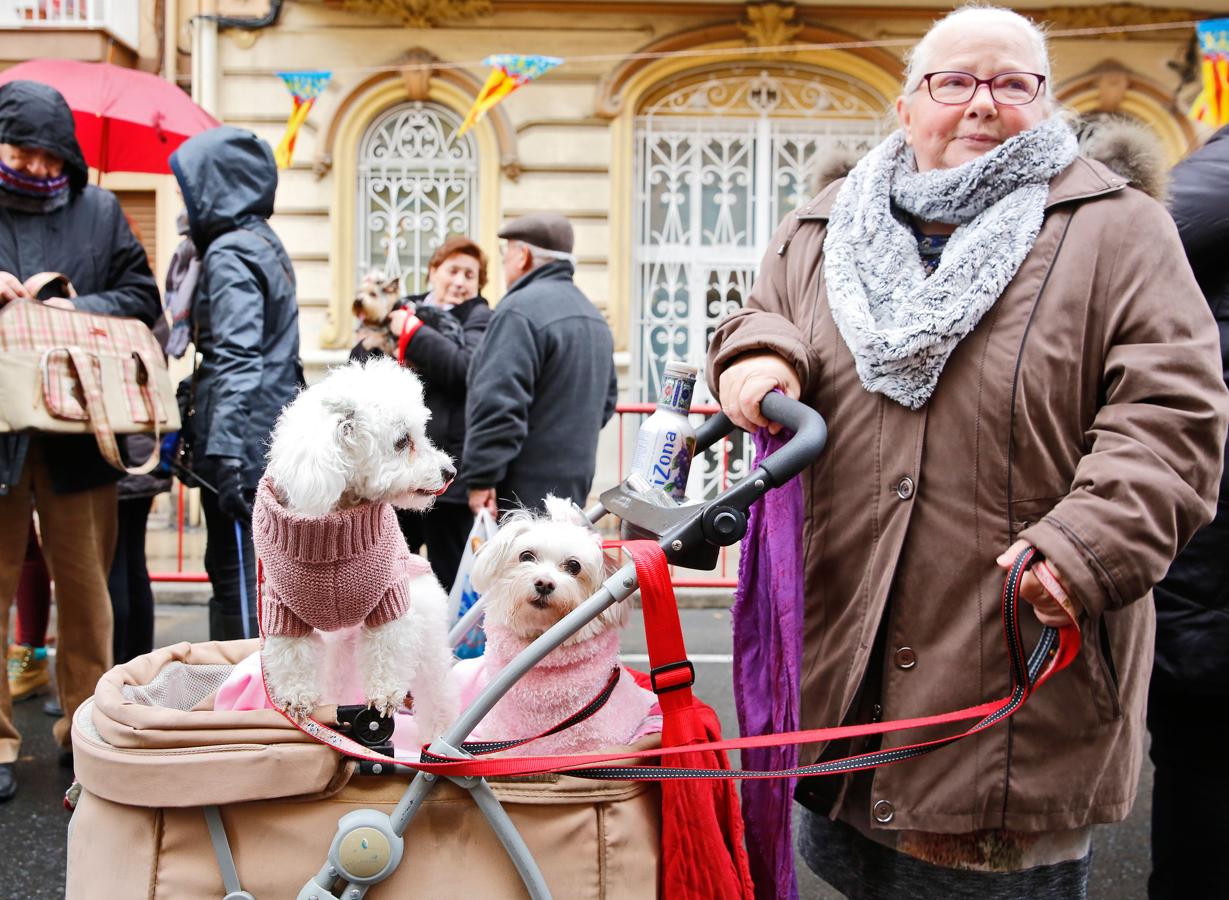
<point>245,313</point>
<point>1192,603</point>
<point>89,241</point>
<point>541,387</point>
<point>441,363</point>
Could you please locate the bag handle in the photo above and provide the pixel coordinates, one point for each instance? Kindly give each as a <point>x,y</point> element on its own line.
<point>36,283</point>
<point>104,435</point>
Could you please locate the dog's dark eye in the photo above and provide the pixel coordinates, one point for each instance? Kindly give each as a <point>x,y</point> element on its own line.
<point>527,556</point>
<point>572,567</point>
<point>405,442</point>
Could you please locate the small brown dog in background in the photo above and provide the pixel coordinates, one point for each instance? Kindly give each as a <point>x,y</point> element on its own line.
<point>373,304</point>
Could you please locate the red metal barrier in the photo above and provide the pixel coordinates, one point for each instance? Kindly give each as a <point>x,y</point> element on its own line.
<point>723,577</point>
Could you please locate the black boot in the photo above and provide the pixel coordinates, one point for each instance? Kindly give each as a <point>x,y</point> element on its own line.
<point>8,781</point>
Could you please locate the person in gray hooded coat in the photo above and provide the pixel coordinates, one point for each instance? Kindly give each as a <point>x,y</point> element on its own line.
<point>246,324</point>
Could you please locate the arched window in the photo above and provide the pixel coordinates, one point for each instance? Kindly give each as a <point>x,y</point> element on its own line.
<point>417,184</point>
<point>721,157</point>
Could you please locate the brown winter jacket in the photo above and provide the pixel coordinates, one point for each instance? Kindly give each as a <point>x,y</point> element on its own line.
<point>1085,414</point>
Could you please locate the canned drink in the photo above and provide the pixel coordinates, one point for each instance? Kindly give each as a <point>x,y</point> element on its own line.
<point>666,442</point>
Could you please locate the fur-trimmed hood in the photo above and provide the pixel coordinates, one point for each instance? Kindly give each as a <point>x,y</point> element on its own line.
<point>1127,147</point>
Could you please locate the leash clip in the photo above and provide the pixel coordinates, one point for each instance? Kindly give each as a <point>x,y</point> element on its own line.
<point>679,675</point>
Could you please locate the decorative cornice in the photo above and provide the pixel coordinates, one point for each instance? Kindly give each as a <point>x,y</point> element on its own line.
<point>1110,15</point>
<point>770,24</point>
<point>422,13</point>
<point>610,92</point>
<point>418,68</point>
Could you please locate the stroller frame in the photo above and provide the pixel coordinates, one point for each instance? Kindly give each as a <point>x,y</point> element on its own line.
<point>369,844</point>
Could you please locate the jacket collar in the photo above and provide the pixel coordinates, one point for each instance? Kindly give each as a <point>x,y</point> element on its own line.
<point>559,270</point>
<point>1083,179</point>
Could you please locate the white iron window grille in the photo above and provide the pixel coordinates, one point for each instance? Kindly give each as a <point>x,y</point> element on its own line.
<point>418,184</point>
<point>719,162</point>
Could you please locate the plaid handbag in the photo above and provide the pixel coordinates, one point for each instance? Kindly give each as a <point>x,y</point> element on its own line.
<point>69,372</point>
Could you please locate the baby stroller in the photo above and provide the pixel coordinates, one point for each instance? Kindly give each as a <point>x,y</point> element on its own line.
<point>149,758</point>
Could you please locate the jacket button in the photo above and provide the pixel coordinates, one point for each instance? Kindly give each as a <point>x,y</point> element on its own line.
<point>884,812</point>
<point>906,658</point>
<point>876,712</point>
<point>904,488</point>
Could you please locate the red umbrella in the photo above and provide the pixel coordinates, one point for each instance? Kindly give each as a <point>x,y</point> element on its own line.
<point>127,121</point>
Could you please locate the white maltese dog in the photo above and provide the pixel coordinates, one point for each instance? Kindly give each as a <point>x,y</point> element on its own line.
<point>344,454</point>
<point>536,570</point>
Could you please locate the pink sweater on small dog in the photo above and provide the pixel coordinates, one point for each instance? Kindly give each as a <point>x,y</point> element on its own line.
<point>561,684</point>
<point>344,568</point>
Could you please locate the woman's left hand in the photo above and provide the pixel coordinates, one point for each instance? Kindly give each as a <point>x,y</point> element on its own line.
<point>1053,606</point>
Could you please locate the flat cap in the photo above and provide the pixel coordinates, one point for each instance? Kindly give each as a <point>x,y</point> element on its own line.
<point>550,231</point>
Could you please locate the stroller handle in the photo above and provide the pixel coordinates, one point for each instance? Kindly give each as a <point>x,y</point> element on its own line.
<point>809,428</point>
<point>691,534</point>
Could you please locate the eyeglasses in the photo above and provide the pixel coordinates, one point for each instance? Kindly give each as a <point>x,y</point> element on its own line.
<point>1006,88</point>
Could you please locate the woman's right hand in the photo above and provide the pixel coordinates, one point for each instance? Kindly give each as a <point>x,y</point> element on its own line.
<point>745,382</point>
<point>11,288</point>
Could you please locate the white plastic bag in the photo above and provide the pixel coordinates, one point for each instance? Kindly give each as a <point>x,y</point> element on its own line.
<point>463,596</point>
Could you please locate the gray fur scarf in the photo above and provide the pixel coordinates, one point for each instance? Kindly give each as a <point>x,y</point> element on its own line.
<point>900,325</point>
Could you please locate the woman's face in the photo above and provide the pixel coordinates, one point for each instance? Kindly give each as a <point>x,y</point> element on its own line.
<point>944,136</point>
<point>454,280</point>
<point>33,161</point>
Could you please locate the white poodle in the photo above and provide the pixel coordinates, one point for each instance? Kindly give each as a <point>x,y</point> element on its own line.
<point>344,454</point>
<point>536,570</point>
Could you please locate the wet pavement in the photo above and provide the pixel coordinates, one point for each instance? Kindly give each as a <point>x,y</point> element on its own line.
<point>33,826</point>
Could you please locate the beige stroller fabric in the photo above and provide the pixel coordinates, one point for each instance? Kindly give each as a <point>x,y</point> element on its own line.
<point>149,754</point>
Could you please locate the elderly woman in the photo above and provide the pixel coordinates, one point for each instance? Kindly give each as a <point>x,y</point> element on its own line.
<point>438,334</point>
<point>1010,350</point>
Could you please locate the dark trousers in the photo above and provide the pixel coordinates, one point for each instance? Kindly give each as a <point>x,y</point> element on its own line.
<point>1190,792</point>
<point>226,620</point>
<point>132,598</point>
<point>443,529</point>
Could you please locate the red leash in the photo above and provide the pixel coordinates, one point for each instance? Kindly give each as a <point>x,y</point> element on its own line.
<point>672,675</point>
<point>667,655</point>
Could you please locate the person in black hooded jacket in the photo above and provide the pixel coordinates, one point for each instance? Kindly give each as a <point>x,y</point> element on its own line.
<point>1190,675</point>
<point>245,319</point>
<point>51,220</point>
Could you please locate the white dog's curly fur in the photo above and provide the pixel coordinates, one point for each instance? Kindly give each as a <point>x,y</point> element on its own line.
<point>537,569</point>
<point>356,437</point>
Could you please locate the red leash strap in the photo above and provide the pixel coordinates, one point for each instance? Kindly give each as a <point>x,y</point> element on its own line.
<point>1054,652</point>
<point>1027,674</point>
<point>671,673</point>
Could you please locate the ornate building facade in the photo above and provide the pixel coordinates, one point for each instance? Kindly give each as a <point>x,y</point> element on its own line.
<point>669,136</point>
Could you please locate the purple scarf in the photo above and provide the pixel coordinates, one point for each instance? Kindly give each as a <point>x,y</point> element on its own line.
<point>767,614</point>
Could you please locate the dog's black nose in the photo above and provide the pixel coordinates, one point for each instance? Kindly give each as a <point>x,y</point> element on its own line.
<point>544,587</point>
<point>448,472</point>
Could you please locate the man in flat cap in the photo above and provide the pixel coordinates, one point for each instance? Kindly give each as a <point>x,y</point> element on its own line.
<point>542,384</point>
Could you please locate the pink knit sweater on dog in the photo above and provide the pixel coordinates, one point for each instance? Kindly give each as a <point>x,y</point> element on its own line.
<point>559,685</point>
<point>346,567</point>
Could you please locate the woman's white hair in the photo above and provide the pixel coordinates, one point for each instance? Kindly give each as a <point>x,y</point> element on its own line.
<point>971,18</point>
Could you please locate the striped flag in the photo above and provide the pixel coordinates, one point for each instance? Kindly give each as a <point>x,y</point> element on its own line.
<point>1212,105</point>
<point>509,72</point>
<point>305,87</point>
